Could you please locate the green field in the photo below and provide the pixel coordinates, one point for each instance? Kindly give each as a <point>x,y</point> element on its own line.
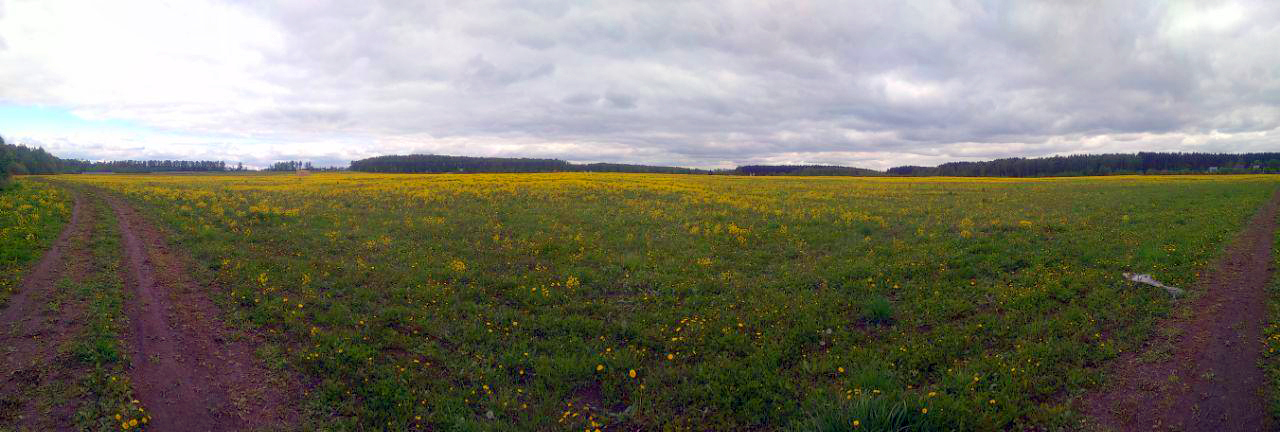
<point>583,301</point>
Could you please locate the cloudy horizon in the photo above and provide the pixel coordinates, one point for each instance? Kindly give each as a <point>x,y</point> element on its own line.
<point>707,84</point>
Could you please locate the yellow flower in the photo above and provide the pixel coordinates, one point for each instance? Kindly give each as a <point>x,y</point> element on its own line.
<point>840,369</point>
<point>924,410</point>
<point>993,401</point>
<point>599,367</point>
<point>133,422</point>
<point>857,423</point>
<point>671,356</point>
<point>632,373</point>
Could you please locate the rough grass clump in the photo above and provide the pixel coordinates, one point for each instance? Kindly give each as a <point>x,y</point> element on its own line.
<point>878,310</point>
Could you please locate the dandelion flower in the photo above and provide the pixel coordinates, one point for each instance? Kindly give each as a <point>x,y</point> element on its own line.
<point>632,373</point>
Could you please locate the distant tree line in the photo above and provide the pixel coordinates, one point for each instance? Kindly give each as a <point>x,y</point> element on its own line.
<point>629,168</point>
<point>1103,164</point>
<point>468,164</point>
<point>445,164</point>
<point>804,170</point>
<point>142,166</point>
<point>20,159</point>
<point>300,165</point>
<point>289,166</point>
<point>6,157</point>
<point>1074,165</point>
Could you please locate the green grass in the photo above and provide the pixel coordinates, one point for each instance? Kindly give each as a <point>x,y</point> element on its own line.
<point>873,414</point>
<point>878,310</point>
<point>525,302</point>
<point>31,215</point>
<point>1271,337</point>
<point>104,396</point>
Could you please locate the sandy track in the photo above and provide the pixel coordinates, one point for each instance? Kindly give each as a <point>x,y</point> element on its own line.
<point>1212,381</point>
<point>184,368</point>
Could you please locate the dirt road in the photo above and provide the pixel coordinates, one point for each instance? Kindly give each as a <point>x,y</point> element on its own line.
<point>37,322</point>
<point>186,369</point>
<point>189,371</point>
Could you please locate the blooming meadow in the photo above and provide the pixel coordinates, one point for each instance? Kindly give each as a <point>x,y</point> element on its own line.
<point>31,214</point>
<point>584,301</point>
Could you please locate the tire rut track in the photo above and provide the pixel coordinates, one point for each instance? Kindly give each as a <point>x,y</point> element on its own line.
<point>184,368</point>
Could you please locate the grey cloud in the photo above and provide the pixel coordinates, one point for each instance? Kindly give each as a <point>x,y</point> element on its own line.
<point>581,99</point>
<point>619,100</point>
<point>716,83</point>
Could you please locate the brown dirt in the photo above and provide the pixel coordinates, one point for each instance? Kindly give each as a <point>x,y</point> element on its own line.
<point>1211,381</point>
<point>185,368</point>
<point>36,328</point>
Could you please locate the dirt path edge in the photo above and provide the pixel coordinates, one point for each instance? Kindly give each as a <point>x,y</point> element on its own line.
<point>33,332</point>
<point>1212,380</point>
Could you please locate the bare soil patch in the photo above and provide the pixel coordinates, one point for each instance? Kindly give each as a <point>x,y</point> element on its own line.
<point>1211,381</point>
<point>185,368</point>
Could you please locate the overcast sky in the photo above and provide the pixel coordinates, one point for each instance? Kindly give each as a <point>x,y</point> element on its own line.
<point>697,83</point>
